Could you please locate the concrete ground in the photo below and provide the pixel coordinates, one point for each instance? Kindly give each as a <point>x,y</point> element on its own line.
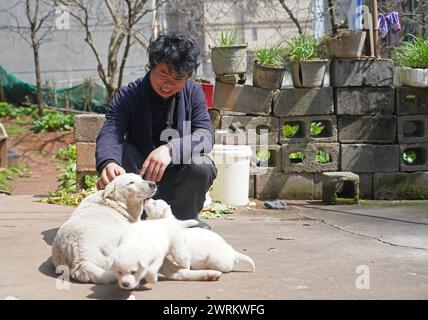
<point>308,251</point>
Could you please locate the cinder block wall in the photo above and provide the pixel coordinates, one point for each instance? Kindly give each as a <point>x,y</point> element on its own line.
<point>369,124</point>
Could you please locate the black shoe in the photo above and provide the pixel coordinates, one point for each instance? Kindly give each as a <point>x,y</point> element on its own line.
<point>203,225</point>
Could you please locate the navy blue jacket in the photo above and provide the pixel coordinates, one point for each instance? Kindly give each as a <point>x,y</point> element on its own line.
<point>129,116</point>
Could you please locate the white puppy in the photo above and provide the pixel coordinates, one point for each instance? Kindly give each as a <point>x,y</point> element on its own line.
<point>87,238</point>
<point>143,248</point>
<point>207,249</point>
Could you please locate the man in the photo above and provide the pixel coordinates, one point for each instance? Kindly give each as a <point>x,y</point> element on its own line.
<point>134,136</point>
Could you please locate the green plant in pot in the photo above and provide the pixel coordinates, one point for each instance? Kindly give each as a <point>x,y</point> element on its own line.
<point>307,61</point>
<point>269,68</point>
<point>229,57</point>
<point>412,57</point>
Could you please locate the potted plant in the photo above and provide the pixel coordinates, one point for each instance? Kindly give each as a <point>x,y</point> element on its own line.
<point>307,63</point>
<point>229,57</point>
<point>269,70</point>
<point>208,89</point>
<point>412,58</point>
<point>345,44</point>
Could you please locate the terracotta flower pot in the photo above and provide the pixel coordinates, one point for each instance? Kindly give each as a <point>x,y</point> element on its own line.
<point>267,77</point>
<point>309,73</point>
<point>347,44</point>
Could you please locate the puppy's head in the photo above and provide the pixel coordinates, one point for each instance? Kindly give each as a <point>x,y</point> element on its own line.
<point>128,268</point>
<point>129,188</point>
<point>157,209</point>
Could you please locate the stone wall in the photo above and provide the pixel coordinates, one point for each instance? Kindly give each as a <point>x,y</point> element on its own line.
<point>368,125</point>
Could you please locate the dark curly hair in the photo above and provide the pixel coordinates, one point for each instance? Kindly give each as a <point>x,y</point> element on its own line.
<point>179,52</point>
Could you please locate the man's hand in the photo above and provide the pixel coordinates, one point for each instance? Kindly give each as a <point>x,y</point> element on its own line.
<point>156,163</point>
<point>110,171</point>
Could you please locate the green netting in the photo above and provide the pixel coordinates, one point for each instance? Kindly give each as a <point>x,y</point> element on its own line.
<point>87,96</point>
<point>14,90</point>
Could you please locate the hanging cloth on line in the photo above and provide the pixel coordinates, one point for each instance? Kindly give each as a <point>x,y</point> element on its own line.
<point>392,19</point>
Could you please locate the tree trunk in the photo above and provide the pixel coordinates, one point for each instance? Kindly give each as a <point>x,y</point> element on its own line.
<point>38,78</point>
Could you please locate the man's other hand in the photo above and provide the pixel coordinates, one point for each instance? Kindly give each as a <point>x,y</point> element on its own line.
<point>156,163</point>
<point>110,171</point>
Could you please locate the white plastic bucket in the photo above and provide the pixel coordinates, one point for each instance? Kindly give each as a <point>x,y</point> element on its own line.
<point>232,182</point>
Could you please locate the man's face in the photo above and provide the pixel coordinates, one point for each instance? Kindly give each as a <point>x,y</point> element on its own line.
<point>165,81</point>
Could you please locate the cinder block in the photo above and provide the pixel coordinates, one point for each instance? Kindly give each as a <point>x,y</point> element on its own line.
<point>215,118</point>
<point>369,158</point>
<point>364,101</point>
<point>412,129</point>
<point>400,185</point>
<point>87,126</point>
<point>420,150</point>
<point>285,186</point>
<point>361,73</point>
<point>340,188</point>
<point>303,101</point>
<point>242,98</point>
<point>412,100</point>
<point>367,129</point>
<point>303,135</point>
<point>310,162</point>
<point>85,156</point>
<point>261,165</point>
<point>250,128</point>
<point>366,185</point>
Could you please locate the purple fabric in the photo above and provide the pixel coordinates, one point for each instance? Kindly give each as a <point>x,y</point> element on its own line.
<point>394,20</point>
<point>383,27</point>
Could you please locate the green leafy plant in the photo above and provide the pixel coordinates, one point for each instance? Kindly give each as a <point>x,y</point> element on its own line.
<point>217,209</point>
<point>262,155</point>
<point>303,47</point>
<point>67,153</point>
<point>53,121</point>
<point>290,130</point>
<point>413,54</point>
<point>66,193</point>
<point>410,156</point>
<point>12,172</point>
<point>296,157</point>
<point>228,38</point>
<point>270,57</point>
<point>317,128</point>
<point>9,110</point>
<point>323,157</point>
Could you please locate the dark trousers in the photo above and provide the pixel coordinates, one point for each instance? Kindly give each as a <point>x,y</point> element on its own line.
<point>183,186</point>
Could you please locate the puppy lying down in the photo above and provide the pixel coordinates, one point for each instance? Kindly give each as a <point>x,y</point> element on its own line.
<point>206,248</point>
<point>144,246</point>
<point>87,239</point>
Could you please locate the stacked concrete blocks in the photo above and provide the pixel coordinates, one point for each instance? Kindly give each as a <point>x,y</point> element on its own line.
<point>86,128</point>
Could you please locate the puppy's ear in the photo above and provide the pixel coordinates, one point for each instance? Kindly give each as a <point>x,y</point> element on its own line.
<point>110,190</point>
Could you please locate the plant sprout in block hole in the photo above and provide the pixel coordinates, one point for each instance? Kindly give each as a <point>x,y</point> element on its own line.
<point>296,157</point>
<point>317,128</point>
<point>323,157</point>
<point>291,129</point>
<point>263,158</point>
<point>409,156</point>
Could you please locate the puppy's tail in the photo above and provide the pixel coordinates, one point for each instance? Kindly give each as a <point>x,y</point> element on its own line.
<point>242,257</point>
<point>188,223</point>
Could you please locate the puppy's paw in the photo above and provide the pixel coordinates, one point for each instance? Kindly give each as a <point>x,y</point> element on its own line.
<point>212,275</point>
